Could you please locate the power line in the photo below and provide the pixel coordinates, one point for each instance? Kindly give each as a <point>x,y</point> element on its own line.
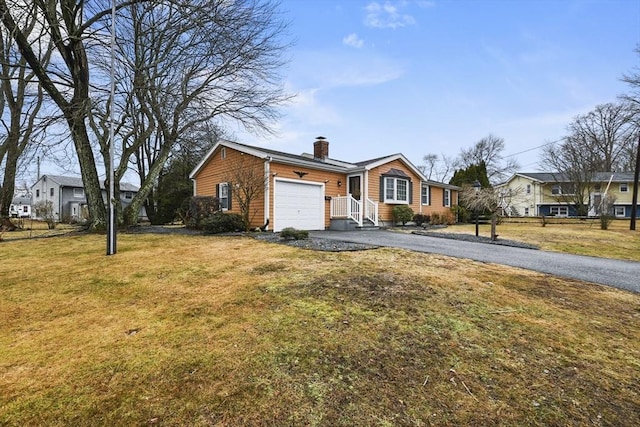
<point>535,148</point>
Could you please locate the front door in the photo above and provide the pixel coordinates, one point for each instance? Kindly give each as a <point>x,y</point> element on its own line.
<point>595,205</point>
<point>355,185</point>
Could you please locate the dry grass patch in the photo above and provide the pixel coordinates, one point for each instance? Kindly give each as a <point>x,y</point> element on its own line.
<point>29,229</point>
<point>576,237</point>
<point>182,330</point>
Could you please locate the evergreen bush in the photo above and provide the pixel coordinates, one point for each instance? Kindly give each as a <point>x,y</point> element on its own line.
<point>291,233</point>
<point>402,214</point>
<point>221,222</point>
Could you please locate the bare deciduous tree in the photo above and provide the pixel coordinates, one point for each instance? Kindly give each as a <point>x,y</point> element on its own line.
<point>67,81</point>
<point>489,149</point>
<point>247,180</point>
<point>633,100</point>
<point>181,62</point>
<point>489,199</point>
<point>607,131</point>
<point>599,141</point>
<point>437,168</point>
<point>21,99</point>
<point>188,64</point>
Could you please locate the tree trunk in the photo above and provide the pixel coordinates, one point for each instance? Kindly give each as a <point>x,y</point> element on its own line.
<point>96,204</point>
<point>494,222</point>
<point>9,179</point>
<point>132,211</point>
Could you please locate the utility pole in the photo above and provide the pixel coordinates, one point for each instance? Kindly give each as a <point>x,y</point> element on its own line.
<point>634,198</point>
<point>111,226</point>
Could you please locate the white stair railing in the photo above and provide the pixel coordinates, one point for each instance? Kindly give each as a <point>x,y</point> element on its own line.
<point>371,211</point>
<point>346,207</point>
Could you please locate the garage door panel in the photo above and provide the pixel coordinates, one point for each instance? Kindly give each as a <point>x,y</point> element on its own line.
<point>298,205</point>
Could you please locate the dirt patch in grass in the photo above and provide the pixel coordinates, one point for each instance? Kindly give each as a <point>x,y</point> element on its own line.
<point>196,330</point>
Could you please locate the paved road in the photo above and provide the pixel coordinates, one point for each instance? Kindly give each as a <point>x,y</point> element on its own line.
<point>620,274</point>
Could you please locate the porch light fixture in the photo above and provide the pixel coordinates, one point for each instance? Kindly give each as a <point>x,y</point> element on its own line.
<point>339,183</point>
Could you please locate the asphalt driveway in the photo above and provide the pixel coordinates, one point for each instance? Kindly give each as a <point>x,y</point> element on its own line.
<point>620,274</point>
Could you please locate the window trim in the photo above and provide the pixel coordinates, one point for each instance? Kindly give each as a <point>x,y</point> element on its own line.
<point>78,192</point>
<point>51,192</point>
<point>624,187</point>
<point>395,199</point>
<point>425,193</point>
<point>223,188</point>
<point>558,209</point>
<point>560,189</point>
<point>616,210</point>
<point>446,198</point>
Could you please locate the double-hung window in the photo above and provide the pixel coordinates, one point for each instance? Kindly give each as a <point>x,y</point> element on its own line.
<point>396,190</point>
<point>424,195</point>
<point>78,192</point>
<point>624,187</point>
<point>619,211</point>
<point>447,197</point>
<point>559,210</point>
<point>223,196</point>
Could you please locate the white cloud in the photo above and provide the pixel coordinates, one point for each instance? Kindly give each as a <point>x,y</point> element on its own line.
<point>387,15</point>
<point>353,40</point>
<point>331,69</point>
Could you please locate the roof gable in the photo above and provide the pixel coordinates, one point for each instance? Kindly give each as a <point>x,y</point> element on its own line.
<point>275,156</point>
<point>307,160</point>
<point>76,182</point>
<point>549,177</point>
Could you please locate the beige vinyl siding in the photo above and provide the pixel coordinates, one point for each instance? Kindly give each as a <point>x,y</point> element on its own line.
<point>218,170</point>
<point>385,211</point>
<point>329,179</point>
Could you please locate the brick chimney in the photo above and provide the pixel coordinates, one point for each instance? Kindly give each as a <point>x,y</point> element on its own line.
<point>321,148</point>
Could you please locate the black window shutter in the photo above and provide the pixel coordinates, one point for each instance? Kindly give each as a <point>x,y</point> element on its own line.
<point>229,196</point>
<point>410,192</point>
<point>444,197</point>
<point>429,200</point>
<point>382,188</point>
<point>218,191</point>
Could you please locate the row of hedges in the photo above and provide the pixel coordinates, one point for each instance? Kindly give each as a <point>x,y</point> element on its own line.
<point>403,214</point>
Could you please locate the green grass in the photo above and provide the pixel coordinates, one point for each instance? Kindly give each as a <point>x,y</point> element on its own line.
<point>198,331</point>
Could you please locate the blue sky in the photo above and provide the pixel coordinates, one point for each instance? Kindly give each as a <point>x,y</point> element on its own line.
<point>419,77</point>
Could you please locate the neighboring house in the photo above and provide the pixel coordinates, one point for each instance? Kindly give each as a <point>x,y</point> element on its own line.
<point>68,197</point>
<point>20,207</point>
<point>314,192</point>
<point>546,193</point>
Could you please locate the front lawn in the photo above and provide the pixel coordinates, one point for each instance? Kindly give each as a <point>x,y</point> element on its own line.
<point>230,331</point>
<point>568,236</point>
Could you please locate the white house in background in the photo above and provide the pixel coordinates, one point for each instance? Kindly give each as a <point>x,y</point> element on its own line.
<point>68,198</point>
<point>20,207</point>
<point>548,193</point>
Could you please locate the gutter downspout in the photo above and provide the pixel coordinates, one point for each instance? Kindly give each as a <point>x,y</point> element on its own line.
<point>267,188</point>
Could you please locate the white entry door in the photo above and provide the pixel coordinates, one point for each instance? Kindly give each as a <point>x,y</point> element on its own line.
<point>299,205</point>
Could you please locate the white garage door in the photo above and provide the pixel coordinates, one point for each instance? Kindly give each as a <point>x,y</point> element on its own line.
<point>299,205</point>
